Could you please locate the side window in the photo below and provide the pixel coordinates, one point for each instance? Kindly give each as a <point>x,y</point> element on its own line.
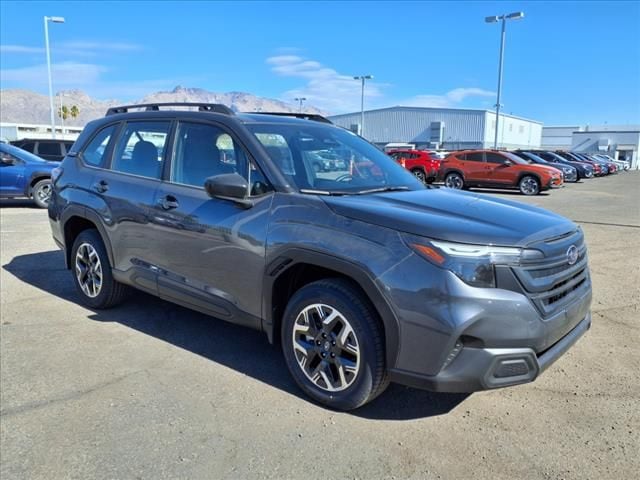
<point>29,147</point>
<point>495,158</point>
<point>49,148</point>
<point>140,149</point>
<point>94,153</point>
<point>207,150</point>
<point>475,157</point>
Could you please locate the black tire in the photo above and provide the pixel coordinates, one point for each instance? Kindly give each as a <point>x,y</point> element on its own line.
<point>41,193</point>
<point>419,174</point>
<point>371,378</point>
<point>529,185</point>
<point>111,292</point>
<point>454,180</point>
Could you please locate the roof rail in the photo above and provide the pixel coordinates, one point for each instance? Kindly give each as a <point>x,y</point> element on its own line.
<point>150,107</point>
<point>305,116</point>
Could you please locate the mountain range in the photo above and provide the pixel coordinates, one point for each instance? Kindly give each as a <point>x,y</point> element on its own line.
<point>24,106</point>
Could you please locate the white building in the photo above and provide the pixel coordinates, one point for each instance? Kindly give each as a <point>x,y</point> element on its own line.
<point>17,131</point>
<point>618,141</point>
<point>445,128</point>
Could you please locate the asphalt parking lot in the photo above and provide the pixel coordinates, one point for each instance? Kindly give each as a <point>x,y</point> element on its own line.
<point>151,390</point>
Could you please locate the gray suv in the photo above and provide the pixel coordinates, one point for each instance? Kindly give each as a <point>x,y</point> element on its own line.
<point>363,274</point>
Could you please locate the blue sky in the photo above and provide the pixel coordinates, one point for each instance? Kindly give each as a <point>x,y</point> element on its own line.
<point>565,62</point>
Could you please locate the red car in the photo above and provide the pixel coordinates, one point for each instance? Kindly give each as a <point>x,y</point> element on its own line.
<point>497,169</point>
<point>420,163</point>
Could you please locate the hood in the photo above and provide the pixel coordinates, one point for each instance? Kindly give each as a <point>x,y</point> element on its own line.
<point>542,168</point>
<point>446,214</point>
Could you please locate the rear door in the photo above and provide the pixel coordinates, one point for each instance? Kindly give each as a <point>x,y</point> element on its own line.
<point>473,167</point>
<point>211,251</point>
<point>126,191</point>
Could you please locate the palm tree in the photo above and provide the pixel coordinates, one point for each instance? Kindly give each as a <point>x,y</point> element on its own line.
<point>75,111</point>
<point>63,112</point>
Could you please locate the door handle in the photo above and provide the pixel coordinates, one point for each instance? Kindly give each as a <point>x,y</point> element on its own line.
<point>101,186</point>
<point>169,202</point>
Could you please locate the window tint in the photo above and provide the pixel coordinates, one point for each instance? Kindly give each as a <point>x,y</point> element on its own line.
<point>140,149</point>
<point>94,153</point>
<point>206,150</point>
<point>495,158</point>
<point>474,157</point>
<point>49,148</point>
<point>29,147</point>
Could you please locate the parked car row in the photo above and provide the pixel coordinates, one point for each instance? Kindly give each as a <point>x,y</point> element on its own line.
<point>529,171</point>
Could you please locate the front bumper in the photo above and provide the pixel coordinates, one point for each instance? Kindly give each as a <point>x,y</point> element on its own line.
<point>475,369</point>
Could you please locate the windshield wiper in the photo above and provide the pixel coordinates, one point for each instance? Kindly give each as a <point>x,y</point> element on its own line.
<point>382,189</point>
<point>323,192</point>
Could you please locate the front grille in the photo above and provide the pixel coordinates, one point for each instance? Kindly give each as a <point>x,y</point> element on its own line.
<point>551,284</point>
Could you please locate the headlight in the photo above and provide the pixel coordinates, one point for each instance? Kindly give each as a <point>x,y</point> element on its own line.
<point>474,264</point>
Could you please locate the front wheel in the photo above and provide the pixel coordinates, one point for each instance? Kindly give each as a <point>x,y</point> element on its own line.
<point>454,180</point>
<point>333,344</point>
<point>41,193</point>
<point>529,185</point>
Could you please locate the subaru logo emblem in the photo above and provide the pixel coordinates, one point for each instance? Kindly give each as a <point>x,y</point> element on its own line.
<point>572,255</point>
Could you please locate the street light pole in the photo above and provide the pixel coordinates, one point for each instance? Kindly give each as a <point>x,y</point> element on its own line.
<point>362,78</point>
<point>48,52</point>
<point>300,100</point>
<point>504,18</point>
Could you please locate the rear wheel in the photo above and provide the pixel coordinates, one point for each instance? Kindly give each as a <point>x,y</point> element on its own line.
<point>529,185</point>
<point>333,344</point>
<point>454,180</point>
<point>419,173</point>
<point>92,272</point>
<point>41,193</point>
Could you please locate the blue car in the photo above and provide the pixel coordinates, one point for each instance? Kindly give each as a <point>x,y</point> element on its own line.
<point>22,174</point>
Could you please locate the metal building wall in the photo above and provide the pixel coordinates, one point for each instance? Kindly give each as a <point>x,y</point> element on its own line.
<point>462,128</point>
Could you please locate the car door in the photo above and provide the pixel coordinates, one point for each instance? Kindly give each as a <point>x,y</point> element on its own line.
<point>500,170</point>
<point>11,175</point>
<point>124,195</point>
<point>212,250</point>
<point>474,168</point>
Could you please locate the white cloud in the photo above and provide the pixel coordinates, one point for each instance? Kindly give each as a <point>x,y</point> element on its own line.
<point>452,98</point>
<point>75,48</point>
<point>325,88</point>
<point>65,75</point>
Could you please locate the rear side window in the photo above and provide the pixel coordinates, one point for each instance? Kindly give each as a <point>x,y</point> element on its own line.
<point>474,157</point>
<point>140,149</point>
<point>94,153</point>
<point>49,148</point>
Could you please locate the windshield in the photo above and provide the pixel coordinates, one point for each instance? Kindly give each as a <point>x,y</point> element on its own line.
<point>514,158</point>
<point>20,153</point>
<point>533,158</point>
<point>322,159</point>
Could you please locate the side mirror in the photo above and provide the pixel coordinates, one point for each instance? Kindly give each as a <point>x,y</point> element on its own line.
<point>229,186</point>
<point>6,159</point>
<point>508,163</point>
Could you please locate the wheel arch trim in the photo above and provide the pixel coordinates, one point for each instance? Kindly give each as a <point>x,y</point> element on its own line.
<point>364,279</point>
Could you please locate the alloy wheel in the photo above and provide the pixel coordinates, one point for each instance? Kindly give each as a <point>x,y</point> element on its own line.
<point>326,347</point>
<point>529,186</point>
<point>454,181</point>
<point>44,193</point>
<point>88,270</point>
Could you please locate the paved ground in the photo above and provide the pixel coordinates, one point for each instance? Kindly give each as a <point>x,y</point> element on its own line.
<point>151,390</point>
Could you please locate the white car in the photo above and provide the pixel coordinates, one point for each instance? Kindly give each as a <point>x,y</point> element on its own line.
<point>621,164</point>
